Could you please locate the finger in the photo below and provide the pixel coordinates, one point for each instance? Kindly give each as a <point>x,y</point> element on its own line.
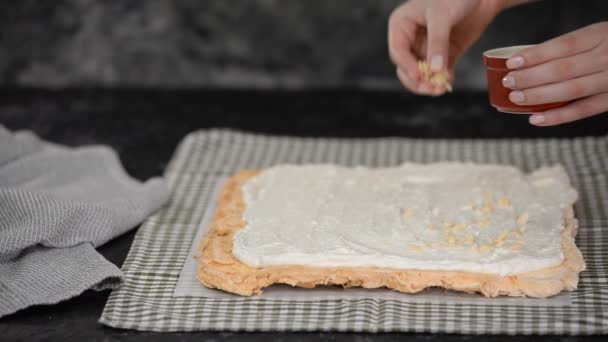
<point>557,70</point>
<point>441,89</point>
<point>438,40</point>
<point>410,84</point>
<point>567,45</point>
<point>401,34</point>
<point>438,91</point>
<point>564,91</point>
<point>580,109</point>
<point>416,87</point>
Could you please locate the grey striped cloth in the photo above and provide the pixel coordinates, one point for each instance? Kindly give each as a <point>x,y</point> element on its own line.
<point>56,205</point>
<point>147,301</point>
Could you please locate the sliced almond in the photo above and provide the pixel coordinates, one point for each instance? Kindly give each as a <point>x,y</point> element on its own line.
<point>522,219</point>
<point>409,212</point>
<point>504,202</point>
<point>415,248</point>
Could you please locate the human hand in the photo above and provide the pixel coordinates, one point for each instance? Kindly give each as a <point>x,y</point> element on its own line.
<point>438,31</point>
<point>572,67</point>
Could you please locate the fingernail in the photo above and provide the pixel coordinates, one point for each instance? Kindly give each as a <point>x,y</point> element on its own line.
<point>537,119</point>
<point>515,62</point>
<point>517,97</point>
<point>508,81</point>
<point>437,63</point>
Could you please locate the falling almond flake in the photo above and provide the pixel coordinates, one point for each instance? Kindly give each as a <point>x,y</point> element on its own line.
<point>435,211</point>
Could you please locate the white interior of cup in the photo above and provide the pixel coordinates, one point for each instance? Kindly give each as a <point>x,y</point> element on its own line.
<point>505,52</point>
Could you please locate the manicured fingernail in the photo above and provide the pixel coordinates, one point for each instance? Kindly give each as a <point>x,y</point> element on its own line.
<point>508,81</point>
<point>437,63</point>
<point>517,97</point>
<point>537,119</point>
<point>515,62</point>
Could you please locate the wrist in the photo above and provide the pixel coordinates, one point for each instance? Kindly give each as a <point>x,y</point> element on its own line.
<point>506,4</point>
<point>495,6</point>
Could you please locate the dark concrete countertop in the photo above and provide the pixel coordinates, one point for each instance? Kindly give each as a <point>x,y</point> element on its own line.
<point>145,125</point>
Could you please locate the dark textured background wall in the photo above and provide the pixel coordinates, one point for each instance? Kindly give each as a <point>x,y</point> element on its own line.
<point>236,43</point>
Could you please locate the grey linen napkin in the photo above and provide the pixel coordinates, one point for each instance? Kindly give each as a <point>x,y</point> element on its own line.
<point>56,205</point>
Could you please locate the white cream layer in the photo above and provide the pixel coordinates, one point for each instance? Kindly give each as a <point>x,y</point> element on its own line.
<point>444,216</point>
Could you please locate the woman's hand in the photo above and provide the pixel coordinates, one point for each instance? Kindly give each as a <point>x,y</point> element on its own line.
<point>573,67</point>
<point>438,31</point>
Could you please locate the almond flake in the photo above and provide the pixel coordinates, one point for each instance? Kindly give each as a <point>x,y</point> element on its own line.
<point>487,208</point>
<point>522,219</point>
<point>504,202</point>
<point>410,212</point>
<point>435,245</point>
<point>474,249</point>
<point>439,78</point>
<point>502,236</point>
<point>487,197</point>
<point>416,248</point>
<point>517,233</point>
<point>485,248</point>
<point>516,247</point>
<point>483,223</point>
<point>451,240</point>
<point>459,227</point>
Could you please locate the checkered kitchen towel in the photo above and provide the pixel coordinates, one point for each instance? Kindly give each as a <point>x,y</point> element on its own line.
<point>145,301</point>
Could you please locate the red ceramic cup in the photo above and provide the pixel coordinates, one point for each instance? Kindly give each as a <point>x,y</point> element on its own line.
<point>496,69</point>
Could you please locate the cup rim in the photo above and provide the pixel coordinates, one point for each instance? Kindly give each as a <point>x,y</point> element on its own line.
<point>492,53</point>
